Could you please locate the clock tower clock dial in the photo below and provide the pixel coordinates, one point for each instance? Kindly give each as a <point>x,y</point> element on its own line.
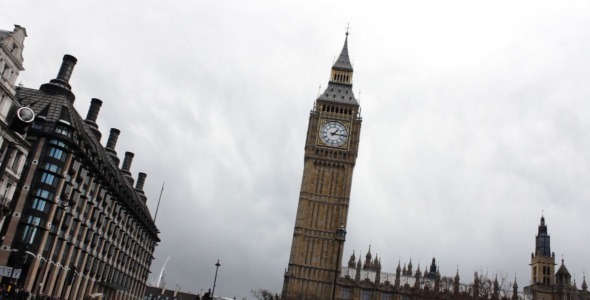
<point>333,134</point>
<point>330,154</point>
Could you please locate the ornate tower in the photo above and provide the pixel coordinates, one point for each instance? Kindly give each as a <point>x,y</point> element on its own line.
<point>331,149</point>
<point>542,265</point>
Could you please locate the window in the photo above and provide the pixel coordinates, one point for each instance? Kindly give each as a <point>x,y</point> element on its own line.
<point>58,143</point>
<point>6,70</point>
<point>57,153</point>
<point>63,130</point>
<point>346,293</point>
<point>52,168</point>
<point>40,205</point>
<point>49,179</point>
<point>386,297</point>
<point>5,105</point>
<point>29,234</point>
<point>365,295</point>
<point>16,161</point>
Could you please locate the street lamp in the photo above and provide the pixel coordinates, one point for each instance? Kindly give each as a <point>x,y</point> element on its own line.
<point>217,265</point>
<point>340,238</point>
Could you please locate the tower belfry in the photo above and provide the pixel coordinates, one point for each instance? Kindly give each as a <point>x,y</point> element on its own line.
<point>331,150</point>
<point>542,264</point>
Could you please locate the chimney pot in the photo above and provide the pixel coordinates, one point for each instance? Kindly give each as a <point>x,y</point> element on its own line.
<point>67,67</point>
<point>127,161</point>
<point>113,137</point>
<point>140,181</point>
<point>95,105</point>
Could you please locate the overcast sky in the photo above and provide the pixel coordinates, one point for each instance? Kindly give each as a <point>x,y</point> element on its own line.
<point>475,121</point>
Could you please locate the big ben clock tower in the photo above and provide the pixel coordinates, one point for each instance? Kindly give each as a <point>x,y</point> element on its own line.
<point>331,149</point>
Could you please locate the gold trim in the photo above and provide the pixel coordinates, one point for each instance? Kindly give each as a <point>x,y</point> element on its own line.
<point>323,122</point>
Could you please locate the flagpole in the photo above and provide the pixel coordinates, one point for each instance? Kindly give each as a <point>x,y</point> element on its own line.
<point>159,199</point>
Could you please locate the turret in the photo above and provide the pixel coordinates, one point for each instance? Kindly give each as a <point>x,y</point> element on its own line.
<point>352,261</point>
<point>418,276</point>
<point>456,284</point>
<point>368,260</point>
<point>357,276</point>
<point>397,275</point>
<point>515,290</point>
<point>475,286</point>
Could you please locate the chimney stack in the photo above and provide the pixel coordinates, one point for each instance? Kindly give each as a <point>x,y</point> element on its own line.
<point>127,161</point>
<point>61,84</point>
<point>67,67</point>
<point>139,186</point>
<point>111,143</point>
<point>92,115</point>
<point>127,165</point>
<point>140,181</point>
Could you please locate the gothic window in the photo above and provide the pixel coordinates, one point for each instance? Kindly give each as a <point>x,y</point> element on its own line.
<point>386,297</point>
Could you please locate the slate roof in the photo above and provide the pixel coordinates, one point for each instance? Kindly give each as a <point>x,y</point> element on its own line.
<point>54,103</point>
<point>343,61</point>
<point>338,92</point>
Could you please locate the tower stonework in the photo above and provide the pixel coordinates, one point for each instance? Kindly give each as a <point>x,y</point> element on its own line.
<point>331,150</point>
<point>542,265</point>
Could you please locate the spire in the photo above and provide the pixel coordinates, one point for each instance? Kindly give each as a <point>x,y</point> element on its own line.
<point>339,87</point>
<point>352,260</point>
<point>543,240</point>
<point>515,290</point>
<point>397,274</point>
<point>343,61</point>
<point>357,275</point>
<point>368,259</point>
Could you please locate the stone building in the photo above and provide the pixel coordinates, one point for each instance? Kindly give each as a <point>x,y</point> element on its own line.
<point>331,149</point>
<point>314,270</point>
<point>546,284</point>
<point>366,281</point>
<point>79,224</point>
<point>13,146</point>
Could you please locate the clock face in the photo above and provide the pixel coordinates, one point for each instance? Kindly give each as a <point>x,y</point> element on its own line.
<point>333,134</point>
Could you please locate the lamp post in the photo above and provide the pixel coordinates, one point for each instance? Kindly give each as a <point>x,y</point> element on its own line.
<point>340,238</point>
<point>217,265</point>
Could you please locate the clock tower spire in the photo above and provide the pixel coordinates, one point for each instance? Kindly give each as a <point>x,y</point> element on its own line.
<point>331,149</point>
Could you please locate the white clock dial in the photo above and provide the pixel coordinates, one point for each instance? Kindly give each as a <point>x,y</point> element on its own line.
<point>333,134</point>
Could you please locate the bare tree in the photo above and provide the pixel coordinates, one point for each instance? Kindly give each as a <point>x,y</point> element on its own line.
<point>263,294</point>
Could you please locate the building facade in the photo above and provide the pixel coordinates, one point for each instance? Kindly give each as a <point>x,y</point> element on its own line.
<point>78,226</point>
<point>315,268</point>
<point>13,146</point>
<point>546,284</point>
<point>365,280</point>
<point>331,150</point>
